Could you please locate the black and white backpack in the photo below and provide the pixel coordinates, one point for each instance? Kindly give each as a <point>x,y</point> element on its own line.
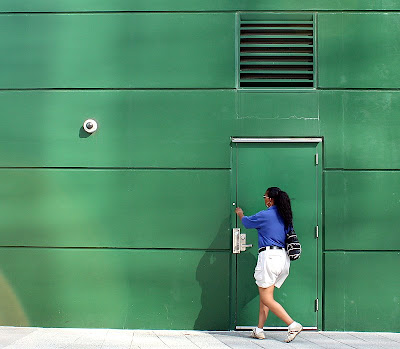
<point>293,247</point>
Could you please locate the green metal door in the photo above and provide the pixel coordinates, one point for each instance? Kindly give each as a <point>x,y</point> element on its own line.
<point>292,166</point>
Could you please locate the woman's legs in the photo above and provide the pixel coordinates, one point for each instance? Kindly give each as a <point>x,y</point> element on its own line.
<point>263,314</point>
<point>267,299</point>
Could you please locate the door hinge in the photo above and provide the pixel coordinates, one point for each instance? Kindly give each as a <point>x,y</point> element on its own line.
<point>316,304</point>
<point>316,159</point>
<point>316,231</point>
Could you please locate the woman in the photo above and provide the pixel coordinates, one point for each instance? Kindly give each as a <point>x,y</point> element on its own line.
<point>273,263</point>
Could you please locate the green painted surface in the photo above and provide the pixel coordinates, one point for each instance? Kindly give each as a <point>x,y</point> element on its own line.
<point>260,166</point>
<point>186,132</point>
<point>278,114</point>
<point>361,129</point>
<point>332,128</point>
<point>362,291</point>
<point>362,210</point>
<point>114,288</point>
<point>183,129</point>
<point>360,52</point>
<point>279,106</point>
<point>136,128</point>
<point>194,5</point>
<point>115,208</point>
<point>125,50</point>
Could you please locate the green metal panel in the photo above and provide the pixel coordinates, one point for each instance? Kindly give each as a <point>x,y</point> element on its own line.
<point>136,128</point>
<point>183,129</point>
<point>358,50</point>
<point>277,114</point>
<point>362,291</point>
<point>362,210</point>
<point>115,208</point>
<point>114,288</point>
<point>125,50</point>
<point>279,106</point>
<point>332,112</point>
<point>361,129</point>
<point>194,5</point>
<point>259,166</point>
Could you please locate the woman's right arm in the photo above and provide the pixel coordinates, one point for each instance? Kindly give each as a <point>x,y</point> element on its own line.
<point>252,222</point>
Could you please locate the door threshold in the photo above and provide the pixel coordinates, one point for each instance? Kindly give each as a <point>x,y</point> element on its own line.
<point>248,328</point>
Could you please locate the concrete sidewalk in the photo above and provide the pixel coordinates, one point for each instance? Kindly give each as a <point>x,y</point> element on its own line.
<point>51,338</point>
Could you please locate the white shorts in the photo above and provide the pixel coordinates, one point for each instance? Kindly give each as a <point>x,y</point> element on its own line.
<point>272,268</point>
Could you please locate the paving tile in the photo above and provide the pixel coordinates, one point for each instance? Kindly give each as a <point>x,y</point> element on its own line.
<point>37,339</point>
<point>301,340</point>
<point>346,338</point>
<point>376,340</point>
<point>58,338</point>
<point>175,339</point>
<point>272,340</point>
<point>205,340</point>
<point>20,331</point>
<point>40,339</point>
<point>84,346</point>
<point>9,335</point>
<point>147,339</point>
<point>89,339</point>
<point>32,346</point>
<point>325,341</point>
<point>118,339</point>
<point>392,336</point>
<point>236,340</point>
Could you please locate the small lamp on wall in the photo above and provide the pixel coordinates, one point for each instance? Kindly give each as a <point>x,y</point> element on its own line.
<point>90,126</point>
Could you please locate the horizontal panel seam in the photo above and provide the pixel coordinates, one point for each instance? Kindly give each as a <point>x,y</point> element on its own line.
<point>49,89</point>
<point>360,170</point>
<point>209,11</point>
<point>330,251</point>
<point>117,12</point>
<point>372,89</point>
<point>193,89</point>
<point>115,248</point>
<point>121,168</point>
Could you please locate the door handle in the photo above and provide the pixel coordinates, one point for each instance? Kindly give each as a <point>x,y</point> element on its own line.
<point>239,241</point>
<point>243,245</point>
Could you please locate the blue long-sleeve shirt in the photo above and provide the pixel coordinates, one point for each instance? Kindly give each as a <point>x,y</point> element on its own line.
<point>270,227</point>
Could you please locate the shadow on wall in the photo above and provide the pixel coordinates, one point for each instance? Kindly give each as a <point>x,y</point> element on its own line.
<point>216,286</point>
<point>11,311</point>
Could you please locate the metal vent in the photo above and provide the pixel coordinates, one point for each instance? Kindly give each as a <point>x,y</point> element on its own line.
<point>276,51</point>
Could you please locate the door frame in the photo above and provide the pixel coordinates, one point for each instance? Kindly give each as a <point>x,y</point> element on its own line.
<point>319,163</point>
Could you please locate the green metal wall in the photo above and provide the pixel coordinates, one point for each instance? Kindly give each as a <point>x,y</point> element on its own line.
<point>130,227</point>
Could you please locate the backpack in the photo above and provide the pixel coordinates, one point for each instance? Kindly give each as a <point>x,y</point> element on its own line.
<point>293,247</point>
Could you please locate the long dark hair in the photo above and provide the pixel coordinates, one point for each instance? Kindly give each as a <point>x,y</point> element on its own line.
<point>282,202</point>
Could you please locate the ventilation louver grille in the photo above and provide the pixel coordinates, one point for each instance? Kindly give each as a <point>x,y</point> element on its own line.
<point>276,53</point>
